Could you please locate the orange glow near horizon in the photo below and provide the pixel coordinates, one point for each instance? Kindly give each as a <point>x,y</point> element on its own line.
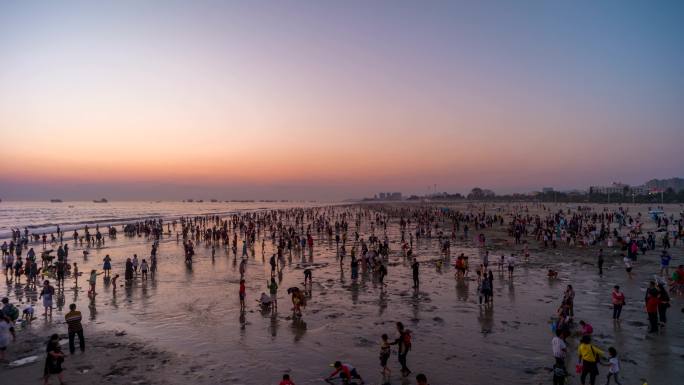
<point>323,95</point>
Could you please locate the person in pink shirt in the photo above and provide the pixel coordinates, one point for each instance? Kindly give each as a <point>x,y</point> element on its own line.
<point>586,329</point>
<point>618,299</point>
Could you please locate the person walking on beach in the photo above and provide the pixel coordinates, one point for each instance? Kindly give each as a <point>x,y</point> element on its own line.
<point>107,265</point>
<point>589,356</point>
<point>652,303</point>
<point>53,360</point>
<point>665,259</point>
<point>384,355</point>
<point>614,364</point>
<point>663,304</point>
<point>510,262</point>
<point>404,346</point>
<point>272,262</point>
<point>128,274</point>
<point>559,348</point>
<point>618,299</point>
<point>74,327</point>
<point>273,290</point>
<point>628,265</point>
<point>116,276</point>
<point>243,267</point>
<point>92,281</point>
<point>46,294</point>
<point>242,294</point>
<point>600,262</point>
<point>144,267</point>
<point>569,299</point>
<point>415,267</point>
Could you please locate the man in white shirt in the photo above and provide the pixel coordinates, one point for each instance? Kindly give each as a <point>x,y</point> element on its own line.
<point>510,261</point>
<point>559,348</point>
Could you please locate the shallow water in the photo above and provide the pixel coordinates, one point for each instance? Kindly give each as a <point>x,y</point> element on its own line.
<point>196,312</point>
<point>43,217</point>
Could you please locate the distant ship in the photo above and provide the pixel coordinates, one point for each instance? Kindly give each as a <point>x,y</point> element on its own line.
<point>214,201</point>
<point>100,201</point>
<point>56,200</point>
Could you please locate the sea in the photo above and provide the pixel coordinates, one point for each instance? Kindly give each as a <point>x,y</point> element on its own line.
<point>44,217</point>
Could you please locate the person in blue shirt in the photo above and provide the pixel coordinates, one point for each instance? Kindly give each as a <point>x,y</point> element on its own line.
<point>665,259</point>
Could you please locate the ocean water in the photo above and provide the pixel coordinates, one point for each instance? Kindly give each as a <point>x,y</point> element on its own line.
<point>43,217</point>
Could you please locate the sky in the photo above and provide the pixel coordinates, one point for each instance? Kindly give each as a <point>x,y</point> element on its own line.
<point>330,100</point>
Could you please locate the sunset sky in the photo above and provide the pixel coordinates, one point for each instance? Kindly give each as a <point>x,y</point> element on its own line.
<point>334,100</point>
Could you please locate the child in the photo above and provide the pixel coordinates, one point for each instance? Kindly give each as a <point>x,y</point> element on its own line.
<point>92,281</point>
<point>114,283</point>
<point>27,314</point>
<point>559,373</point>
<point>242,294</point>
<point>143,268</point>
<point>384,355</point>
<point>286,380</point>
<point>614,364</point>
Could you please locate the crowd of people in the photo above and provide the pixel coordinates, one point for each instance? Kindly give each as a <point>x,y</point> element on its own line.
<point>362,243</point>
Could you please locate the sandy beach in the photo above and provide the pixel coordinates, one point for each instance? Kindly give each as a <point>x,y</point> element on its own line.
<point>184,325</point>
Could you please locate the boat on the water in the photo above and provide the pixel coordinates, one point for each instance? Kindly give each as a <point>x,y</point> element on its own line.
<point>56,200</point>
<point>103,200</point>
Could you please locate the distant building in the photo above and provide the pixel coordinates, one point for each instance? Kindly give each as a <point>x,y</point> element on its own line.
<point>639,190</point>
<point>388,196</point>
<point>619,188</point>
<point>546,190</point>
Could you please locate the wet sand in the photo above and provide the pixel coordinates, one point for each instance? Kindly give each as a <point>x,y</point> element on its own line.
<point>191,317</point>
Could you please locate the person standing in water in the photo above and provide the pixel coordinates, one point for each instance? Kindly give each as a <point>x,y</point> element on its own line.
<point>107,265</point>
<point>144,267</point>
<point>618,299</point>
<point>600,262</point>
<point>384,355</point>
<point>628,265</point>
<point>273,290</point>
<point>128,275</point>
<point>242,294</point>
<point>93,281</point>
<point>415,266</point>
<point>46,294</point>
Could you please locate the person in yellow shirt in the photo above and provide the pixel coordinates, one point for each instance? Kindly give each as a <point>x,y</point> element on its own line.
<point>589,355</point>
